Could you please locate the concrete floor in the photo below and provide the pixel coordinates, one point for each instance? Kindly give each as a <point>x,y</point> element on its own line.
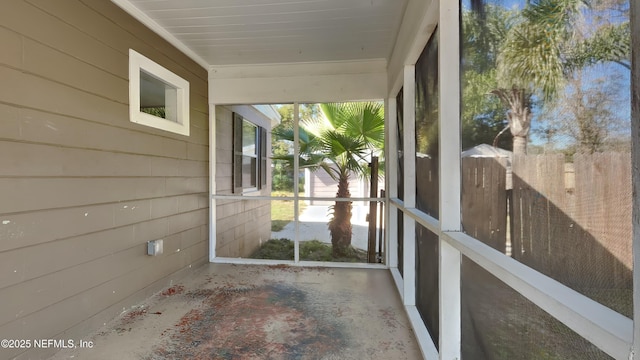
<point>263,312</point>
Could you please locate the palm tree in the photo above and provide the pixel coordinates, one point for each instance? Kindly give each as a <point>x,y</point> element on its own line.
<point>541,50</point>
<point>338,142</point>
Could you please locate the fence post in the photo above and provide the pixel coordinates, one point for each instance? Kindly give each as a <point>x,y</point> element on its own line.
<point>373,210</point>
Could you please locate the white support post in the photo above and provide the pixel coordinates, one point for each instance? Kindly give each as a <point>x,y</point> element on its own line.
<point>212,182</point>
<point>449,119</point>
<point>450,317</point>
<point>296,184</point>
<point>450,178</point>
<point>391,180</point>
<point>409,228</point>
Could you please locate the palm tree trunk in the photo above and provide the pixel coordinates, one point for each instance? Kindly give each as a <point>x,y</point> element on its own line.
<point>340,225</point>
<point>519,116</point>
<point>519,145</point>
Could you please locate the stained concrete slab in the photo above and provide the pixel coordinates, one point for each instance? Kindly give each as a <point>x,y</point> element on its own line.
<point>262,312</point>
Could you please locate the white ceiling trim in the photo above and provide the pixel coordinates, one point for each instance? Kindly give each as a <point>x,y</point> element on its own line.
<point>301,82</point>
<point>155,27</point>
<point>299,69</point>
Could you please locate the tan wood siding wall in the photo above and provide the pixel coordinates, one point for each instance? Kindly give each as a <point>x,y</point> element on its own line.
<point>241,225</point>
<point>82,189</point>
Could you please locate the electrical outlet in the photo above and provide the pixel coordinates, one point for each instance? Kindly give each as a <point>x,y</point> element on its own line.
<point>154,247</point>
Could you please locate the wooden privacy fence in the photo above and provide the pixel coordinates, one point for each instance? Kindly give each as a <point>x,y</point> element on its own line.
<point>572,221</point>
<point>427,185</point>
<point>484,200</point>
<point>568,220</point>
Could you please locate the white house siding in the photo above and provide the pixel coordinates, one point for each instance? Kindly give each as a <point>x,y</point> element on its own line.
<point>82,189</point>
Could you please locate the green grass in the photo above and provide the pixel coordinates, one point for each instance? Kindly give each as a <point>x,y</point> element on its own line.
<point>276,249</point>
<point>314,250</point>
<point>282,211</point>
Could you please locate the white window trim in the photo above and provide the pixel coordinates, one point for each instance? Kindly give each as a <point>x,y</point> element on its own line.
<point>138,62</point>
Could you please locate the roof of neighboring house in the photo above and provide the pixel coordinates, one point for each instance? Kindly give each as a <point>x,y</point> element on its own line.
<point>484,150</point>
<point>270,112</point>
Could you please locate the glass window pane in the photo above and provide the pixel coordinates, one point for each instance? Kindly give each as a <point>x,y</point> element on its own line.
<point>281,155</point>
<point>546,162</point>
<point>427,290</point>
<point>315,236</point>
<point>264,169</point>
<point>427,128</point>
<point>249,173</point>
<point>249,138</point>
<point>400,242</point>
<point>337,143</point>
<point>157,98</point>
<point>500,324</point>
<point>157,95</point>
<point>400,142</point>
<point>400,174</point>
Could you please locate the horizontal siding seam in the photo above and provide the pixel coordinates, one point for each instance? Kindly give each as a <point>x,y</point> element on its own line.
<point>28,72</point>
<point>68,297</point>
<point>169,58</point>
<point>110,177</point>
<point>134,129</point>
<point>125,275</point>
<point>35,211</point>
<point>104,150</point>
<point>62,52</point>
<point>140,244</point>
<point>109,228</point>
<point>109,46</point>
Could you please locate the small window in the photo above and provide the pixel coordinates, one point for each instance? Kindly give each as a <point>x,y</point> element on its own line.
<point>249,155</point>
<point>157,97</point>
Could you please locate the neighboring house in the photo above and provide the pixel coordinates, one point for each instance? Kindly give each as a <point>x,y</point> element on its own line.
<point>320,185</point>
<point>485,151</point>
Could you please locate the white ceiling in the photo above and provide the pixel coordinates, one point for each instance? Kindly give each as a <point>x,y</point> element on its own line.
<point>239,32</point>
